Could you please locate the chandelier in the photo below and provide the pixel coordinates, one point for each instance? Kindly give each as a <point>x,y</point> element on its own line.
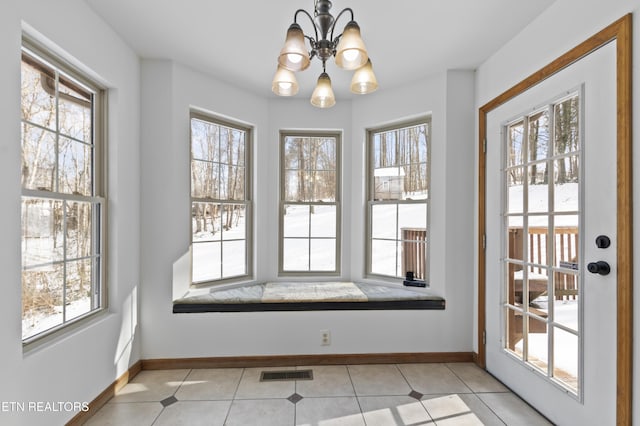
<point>347,48</point>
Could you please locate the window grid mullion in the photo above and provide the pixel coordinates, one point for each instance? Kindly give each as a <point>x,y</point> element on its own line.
<point>56,166</point>
<point>221,243</point>
<point>309,239</point>
<point>397,235</point>
<point>551,242</point>
<point>65,261</point>
<point>525,248</point>
<point>60,196</point>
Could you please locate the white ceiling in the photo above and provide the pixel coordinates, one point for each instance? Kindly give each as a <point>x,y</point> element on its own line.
<point>238,41</point>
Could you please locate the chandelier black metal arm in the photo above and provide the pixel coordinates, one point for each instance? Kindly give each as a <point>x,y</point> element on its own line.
<point>295,21</point>
<point>323,47</point>
<point>346,9</point>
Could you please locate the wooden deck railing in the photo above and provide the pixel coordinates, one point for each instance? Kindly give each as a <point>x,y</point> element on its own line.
<point>414,252</point>
<point>565,254</point>
<point>565,286</point>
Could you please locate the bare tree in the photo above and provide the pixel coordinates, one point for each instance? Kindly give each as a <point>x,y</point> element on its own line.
<point>567,138</point>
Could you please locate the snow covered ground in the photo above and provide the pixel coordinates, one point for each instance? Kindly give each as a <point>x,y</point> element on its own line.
<point>565,356</point>
<point>301,229</point>
<point>40,322</point>
<point>566,200</point>
<point>208,248</point>
<point>39,255</point>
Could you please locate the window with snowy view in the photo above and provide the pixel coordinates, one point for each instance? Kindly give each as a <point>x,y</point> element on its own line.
<point>62,195</point>
<point>309,203</point>
<point>220,200</point>
<point>398,200</point>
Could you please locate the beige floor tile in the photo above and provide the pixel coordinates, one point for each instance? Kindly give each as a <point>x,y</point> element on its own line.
<point>261,412</point>
<point>151,385</point>
<point>126,414</point>
<point>476,378</point>
<point>459,409</point>
<point>210,384</point>
<point>393,410</point>
<point>512,410</point>
<point>450,410</point>
<point>252,388</point>
<point>337,411</point>
<point>194,413</point>
<point>382,379</point>
<point>432,379</point>
<point>480,409</point>
<point>209,396</point>
<point>328,380</point>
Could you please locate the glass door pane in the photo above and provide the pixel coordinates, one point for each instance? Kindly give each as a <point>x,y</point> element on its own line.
<point>541,183</point>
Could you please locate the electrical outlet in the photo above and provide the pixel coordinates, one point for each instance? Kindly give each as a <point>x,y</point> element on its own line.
<point>325,337</point>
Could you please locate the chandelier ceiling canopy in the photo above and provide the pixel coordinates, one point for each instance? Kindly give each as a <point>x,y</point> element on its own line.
<point>347,48</point>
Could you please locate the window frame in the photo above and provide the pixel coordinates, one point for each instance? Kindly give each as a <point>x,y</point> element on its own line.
<point>370,195</point>
<point>73,75</point>
<point>247,201</point>
<point>337,135</point>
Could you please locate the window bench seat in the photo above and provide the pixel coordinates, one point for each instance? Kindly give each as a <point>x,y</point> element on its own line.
<point>306,296</point>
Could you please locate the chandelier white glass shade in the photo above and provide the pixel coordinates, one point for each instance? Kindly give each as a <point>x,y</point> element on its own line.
<point>322,96</point>
<point>284,82</point>
<point>364,81</point>
<point>350,52</point>
<point>294,55</point>
<point>348,49</point>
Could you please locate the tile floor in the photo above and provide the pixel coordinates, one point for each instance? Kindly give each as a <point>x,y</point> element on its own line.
<point>389,394</point>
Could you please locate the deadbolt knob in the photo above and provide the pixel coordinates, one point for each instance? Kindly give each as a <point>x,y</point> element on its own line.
<point>603,242</point>
<point>600,267</point>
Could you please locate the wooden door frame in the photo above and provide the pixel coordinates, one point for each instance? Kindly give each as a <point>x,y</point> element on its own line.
<point>619,31</point>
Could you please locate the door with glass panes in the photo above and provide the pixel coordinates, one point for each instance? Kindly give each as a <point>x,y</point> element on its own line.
<point>551,235</point>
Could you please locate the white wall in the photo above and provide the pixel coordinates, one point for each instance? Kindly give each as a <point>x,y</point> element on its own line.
<point>168,91</point>
<point>81,364</point>
<point>561,27</point>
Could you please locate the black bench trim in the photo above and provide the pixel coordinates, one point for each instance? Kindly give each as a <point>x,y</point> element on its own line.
<point>434,304</point>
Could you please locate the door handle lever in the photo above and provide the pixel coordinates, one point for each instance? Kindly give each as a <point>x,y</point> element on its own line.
<point>600,267</point>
